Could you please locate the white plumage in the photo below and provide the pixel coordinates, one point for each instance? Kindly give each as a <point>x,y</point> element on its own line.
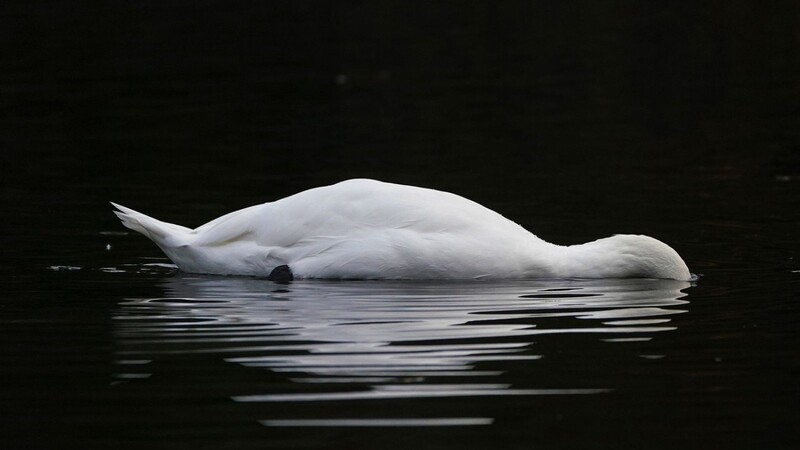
<point>367,229</point>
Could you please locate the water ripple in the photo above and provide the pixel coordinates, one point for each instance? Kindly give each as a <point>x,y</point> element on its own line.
<point>366,341</point>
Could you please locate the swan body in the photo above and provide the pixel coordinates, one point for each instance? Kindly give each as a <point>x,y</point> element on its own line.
<point>367,229</point>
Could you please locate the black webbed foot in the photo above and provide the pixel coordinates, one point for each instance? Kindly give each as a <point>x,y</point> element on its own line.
<point>281,274</point>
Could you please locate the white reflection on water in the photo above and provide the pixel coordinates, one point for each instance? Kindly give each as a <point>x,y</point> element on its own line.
<point>426,422</point>
<point>387,340</point>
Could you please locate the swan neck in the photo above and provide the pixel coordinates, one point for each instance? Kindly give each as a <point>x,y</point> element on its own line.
<point>622,256</point>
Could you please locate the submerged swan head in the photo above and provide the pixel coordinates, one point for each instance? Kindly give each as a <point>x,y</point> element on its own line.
<point>622,256</point>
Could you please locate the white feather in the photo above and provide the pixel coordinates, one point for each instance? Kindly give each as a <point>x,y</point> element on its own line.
<point>370,229</point>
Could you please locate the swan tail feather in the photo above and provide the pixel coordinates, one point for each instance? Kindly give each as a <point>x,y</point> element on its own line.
<point>158,231</point>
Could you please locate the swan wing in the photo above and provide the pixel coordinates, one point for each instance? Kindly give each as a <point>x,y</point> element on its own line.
<point>233,227</point>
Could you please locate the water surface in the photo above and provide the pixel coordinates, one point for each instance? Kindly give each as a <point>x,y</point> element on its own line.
<point>353,355</point>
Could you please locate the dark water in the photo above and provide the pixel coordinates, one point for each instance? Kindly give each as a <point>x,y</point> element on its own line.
<point>577,121</point>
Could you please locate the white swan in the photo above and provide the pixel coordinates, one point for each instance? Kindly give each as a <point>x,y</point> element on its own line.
<point>367,229</point>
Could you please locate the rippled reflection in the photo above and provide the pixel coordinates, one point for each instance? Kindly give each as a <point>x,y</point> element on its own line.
<point>365,341</point>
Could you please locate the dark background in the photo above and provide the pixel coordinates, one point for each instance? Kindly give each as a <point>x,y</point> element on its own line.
<point>578,120</point>
<point>491,97</point>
